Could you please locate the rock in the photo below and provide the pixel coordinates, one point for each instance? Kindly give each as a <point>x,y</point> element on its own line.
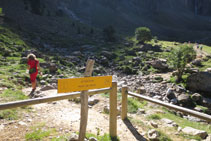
<point>200,82</point>
<point>196,97</point>
<point>160,64</point>
<point>42,82</point>
<point>1,127</point>
<point>195,132</point>
<point>173,101</point>
<point>208,70</point>
<point>154,124</point>
<point>106,109</point>
<point>22,123</point>
<point>92,139</point>
<point>73,137</point>
<point>108,54</point>
<point>197,62</point>
<point>167,121</point>
<point>149,47</point>
<point>141,90</point>
<point>77,53</point>
<point>153,134</point>
<point>208,138</point>
<point>52,67</point>
<point>206,102</point>
<point>179,129</point>
<point>170,94</point>
<point>45,88</point>
<point>93,101</point>
<point>140,111</point>
<point>185,100</point>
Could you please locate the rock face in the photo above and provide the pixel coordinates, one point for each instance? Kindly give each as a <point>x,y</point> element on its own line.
<point>200,82</point>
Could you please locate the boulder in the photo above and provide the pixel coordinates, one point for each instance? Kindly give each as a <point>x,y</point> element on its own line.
<point>153,135</point>
<point>73,137</point>
<point>208,138</point>
<point>52,68</point>
<point>92,101</point>
<point>108,54</point>
<point>185,100</point>
<point>197,62</point>
<point>195,132</point>
<point>196,97</point>
<point>160,64</point>
<point>208,70</point>
<point>149,47</point>
<point>200,82</point>
<point>92,139</point>
<point>170,93</point>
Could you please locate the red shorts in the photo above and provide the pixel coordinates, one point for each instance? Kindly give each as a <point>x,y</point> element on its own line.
<point>33,76</point>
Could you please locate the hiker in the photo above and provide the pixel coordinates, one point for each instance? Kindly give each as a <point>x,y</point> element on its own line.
<point>33,67</point>
<point>201,47</point>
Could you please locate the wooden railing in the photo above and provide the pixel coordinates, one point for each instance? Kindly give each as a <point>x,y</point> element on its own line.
<point>125,94</point>
<point>112,102</point>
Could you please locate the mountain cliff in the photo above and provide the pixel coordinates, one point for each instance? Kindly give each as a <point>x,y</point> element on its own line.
<point>168,19</point>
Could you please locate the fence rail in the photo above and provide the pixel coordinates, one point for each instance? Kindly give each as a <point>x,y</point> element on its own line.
<point>49,99</point>
<point>168,105</point>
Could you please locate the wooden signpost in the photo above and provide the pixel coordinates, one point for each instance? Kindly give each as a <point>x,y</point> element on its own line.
<point>84,84</point>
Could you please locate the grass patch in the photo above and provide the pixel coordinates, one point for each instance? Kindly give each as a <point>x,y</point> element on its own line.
<point>154,117</point>
<point>163,136</point>
<point>39,133</point>
<point>10,114</point>
<point>13,95</point>
<point>134,104</point>
<point>190,137</point>
<point>184,122</point>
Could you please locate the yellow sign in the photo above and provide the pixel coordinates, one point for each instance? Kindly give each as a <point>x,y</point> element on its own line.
<point>84,83</point>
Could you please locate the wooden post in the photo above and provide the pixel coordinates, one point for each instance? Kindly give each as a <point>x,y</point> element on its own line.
<point>84,102</point>
<point>124,103</point>
<point>113,110</point>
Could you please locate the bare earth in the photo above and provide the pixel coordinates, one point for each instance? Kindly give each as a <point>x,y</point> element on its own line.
<point>65,117</point>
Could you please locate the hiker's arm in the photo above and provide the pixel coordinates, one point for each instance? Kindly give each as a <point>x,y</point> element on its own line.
<point>38,67</point>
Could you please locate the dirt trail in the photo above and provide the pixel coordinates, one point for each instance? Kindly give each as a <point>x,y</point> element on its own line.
<point>65,117</point>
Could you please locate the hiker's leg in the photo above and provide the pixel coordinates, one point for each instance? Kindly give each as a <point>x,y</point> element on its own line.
<point>34,84</point>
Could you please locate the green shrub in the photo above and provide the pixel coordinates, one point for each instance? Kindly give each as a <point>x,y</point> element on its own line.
<point>179,58</point>
<point>143,34</point>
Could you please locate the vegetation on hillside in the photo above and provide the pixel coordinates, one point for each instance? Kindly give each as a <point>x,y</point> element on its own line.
<point>180,57</point>
<point>143,34</point>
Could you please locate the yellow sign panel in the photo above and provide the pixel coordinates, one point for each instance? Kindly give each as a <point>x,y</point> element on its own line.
<point>84,83</point>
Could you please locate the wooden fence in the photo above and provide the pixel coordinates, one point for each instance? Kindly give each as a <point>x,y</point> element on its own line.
<point>125,94</point>
<point>112,102</point>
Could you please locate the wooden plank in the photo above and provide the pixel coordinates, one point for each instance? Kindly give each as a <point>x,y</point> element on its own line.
<point>83,83</point>
<point>124,103</point>
<point>175,107</point>
<point>27,102</point>
<point>113,111</point>
<point>84,102</point>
